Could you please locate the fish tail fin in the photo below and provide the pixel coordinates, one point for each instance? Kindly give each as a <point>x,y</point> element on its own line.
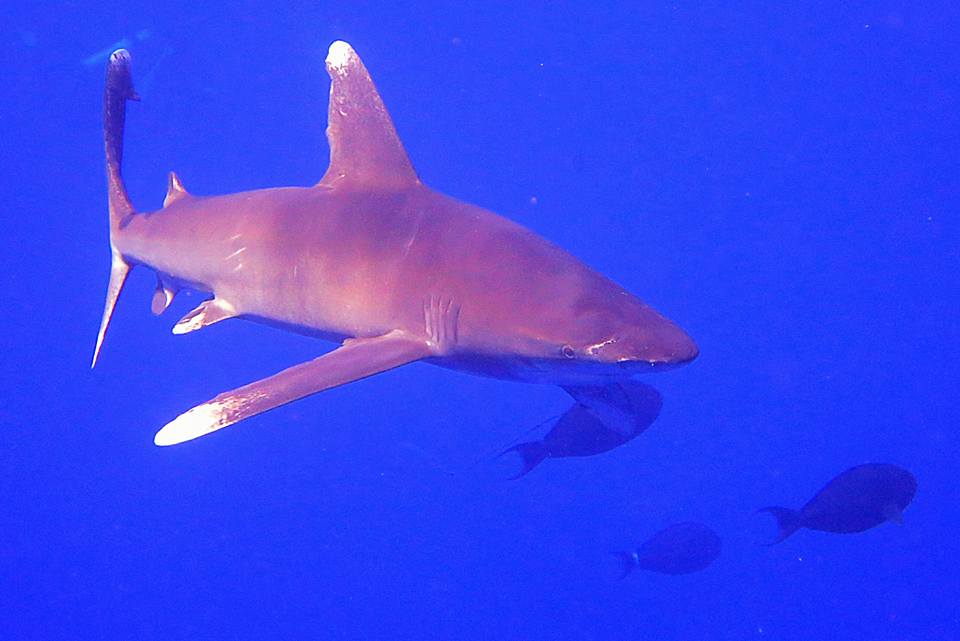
<point>788,522</point>
<point>531,454</point>
<point>118,89</point>
<point>628,561</point>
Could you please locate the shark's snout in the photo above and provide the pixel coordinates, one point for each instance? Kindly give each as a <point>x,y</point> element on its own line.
<point>673,347</point>
<point>652,345</point>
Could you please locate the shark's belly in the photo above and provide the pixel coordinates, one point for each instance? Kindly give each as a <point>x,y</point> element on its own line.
<point>314,295</point>
<point>512,367</point>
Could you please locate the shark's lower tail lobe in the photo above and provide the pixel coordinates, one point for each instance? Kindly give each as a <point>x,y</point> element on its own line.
<point>118,90</point>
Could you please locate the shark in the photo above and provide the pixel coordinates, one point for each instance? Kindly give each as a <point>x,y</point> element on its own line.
<point>376,261</point>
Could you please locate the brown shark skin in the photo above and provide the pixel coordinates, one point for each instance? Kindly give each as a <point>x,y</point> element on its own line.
<point>372,256</point>
<point>361,264</point>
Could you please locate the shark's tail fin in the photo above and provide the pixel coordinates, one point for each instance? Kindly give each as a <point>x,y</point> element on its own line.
<point>119,89</point>
<point>788,522</point>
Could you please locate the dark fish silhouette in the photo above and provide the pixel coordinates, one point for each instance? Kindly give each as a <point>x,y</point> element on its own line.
<point>860,498</point>
<point>374,259</point>
<point>602,419</point>
<point>681,548</point>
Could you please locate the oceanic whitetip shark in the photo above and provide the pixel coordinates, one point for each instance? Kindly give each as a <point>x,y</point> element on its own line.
<point>374,259</point>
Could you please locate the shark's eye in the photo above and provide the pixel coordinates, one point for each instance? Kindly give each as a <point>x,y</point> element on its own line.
<point>568,352</point>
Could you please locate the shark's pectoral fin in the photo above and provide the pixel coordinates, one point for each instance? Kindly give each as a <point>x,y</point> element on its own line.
<point>355,359</point>
<point>206,313</point>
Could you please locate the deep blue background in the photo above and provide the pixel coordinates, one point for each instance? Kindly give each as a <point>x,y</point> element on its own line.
<point>782,182</point>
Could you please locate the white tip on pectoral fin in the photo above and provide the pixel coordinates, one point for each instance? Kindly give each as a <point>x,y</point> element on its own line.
<point>201,420</point>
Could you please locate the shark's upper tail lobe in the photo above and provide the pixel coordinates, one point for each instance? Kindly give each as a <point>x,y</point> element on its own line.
<point>118,90</point>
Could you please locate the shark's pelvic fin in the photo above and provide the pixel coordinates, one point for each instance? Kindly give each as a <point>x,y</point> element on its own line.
<point>365,150</point>
<point>175,190</point>
<point>352,361</point>
<point>206,313</point>
<point>118,90</point>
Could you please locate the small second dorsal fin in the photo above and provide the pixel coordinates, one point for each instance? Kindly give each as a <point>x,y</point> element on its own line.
<point>175,190</point>
<point>365,150</point>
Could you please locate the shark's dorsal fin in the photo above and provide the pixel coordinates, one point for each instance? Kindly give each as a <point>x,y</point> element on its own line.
<point>175,190</point>
<point>365,150</point>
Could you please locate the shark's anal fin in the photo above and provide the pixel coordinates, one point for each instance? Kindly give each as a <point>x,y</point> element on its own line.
<point>206,313</point>
<point>365,151</point>
<point>355,359</point>
<point>162,297</point>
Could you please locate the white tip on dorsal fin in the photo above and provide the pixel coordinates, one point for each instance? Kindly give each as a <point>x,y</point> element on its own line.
<point>365,150</point>
<point>175,190</point>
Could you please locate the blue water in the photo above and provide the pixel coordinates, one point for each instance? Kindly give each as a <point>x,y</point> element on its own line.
<point>782,182</point>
